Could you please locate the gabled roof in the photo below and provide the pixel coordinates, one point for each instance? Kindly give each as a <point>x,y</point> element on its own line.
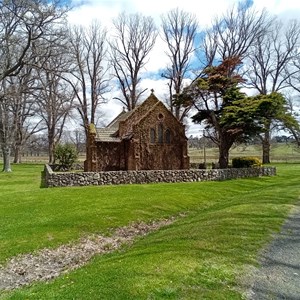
<point>114,124</point>
<point>126,115</point>
<point>110,132</point>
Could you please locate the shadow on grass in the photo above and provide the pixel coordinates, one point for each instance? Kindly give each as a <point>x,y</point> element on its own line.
<point>43,183</point>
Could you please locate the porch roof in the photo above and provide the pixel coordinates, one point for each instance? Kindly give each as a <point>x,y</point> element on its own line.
<point>106,135</point>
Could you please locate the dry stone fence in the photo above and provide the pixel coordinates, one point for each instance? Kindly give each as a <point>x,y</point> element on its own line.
<point>60,179</point>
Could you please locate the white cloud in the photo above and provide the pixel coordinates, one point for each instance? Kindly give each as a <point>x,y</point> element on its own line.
<point>106,10</point>
<point>205,11</point>
<point>278,6</point>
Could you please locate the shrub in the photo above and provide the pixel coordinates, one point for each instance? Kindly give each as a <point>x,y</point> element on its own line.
<point>245,162</point>
<point>66,155</point>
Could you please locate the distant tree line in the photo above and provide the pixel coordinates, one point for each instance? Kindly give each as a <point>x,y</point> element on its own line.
<point>199,143</point>
<point>52,72</point>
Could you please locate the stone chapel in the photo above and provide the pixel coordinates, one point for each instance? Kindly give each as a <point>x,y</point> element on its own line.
<point>147,138</point>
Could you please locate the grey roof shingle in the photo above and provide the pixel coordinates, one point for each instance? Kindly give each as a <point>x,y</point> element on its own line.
<point>110,132</point>
<point>114,124</point>
<point>106,135</point>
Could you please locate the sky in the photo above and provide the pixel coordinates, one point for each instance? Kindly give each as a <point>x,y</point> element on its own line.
<point>205,10</point>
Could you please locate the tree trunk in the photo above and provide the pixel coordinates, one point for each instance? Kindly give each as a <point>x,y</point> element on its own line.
<point>266,147</point>
<point>177,113</point>
<point>6,159</point>
<point>223,157</point>
<point>51,145</point>
<point>51,152</point>
<point>17,154</point>
<point>224,147</point>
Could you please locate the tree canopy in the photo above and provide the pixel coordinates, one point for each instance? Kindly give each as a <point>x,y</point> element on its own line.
<point>229,115</point>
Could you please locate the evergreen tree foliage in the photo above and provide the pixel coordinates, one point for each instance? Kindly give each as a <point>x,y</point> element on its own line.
<point>229,115</point>
<point>66,155</point>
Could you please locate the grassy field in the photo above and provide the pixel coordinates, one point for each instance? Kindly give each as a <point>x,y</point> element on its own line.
<point>280,153</point>
<point>204,255</point>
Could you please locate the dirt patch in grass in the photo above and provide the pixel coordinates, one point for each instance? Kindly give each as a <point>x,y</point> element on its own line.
<point>47,264</point>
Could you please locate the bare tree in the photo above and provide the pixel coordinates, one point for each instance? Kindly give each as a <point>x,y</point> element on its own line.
<point>36,145</point>
<point>89,70</point>
<point>270,63</point>
<point>179,32</point>
<point>233,34</point>
<point>294,110</point>
<point>76,137</point>
<point>39,83</point>
<point>22,24</point>
<point>270,66</point>
<point>6,124</point>
<point>54,98</point>
<point>25,120</point>
<point>134,38</point>
<point>225,46</point>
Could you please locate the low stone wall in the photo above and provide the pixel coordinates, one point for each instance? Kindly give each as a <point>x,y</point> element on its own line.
<point>58,179</point>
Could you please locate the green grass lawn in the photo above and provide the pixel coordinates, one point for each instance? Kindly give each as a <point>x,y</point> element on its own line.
<point>203,255</point>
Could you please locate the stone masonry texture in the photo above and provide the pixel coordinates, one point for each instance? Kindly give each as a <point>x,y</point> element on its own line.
<point>60,179</point>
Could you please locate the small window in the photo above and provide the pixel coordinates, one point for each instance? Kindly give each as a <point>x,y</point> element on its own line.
<point>160,134</point>
<point>168,136</point>
<point>160,116</point>
<point>152,136</point>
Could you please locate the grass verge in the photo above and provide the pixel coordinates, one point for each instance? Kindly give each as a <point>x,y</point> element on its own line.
<point>201,256</point>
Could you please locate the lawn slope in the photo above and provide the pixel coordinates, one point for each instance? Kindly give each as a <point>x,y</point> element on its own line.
<point>203,255</point>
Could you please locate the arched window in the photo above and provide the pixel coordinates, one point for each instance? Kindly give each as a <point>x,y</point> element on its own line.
<point>160,134</point>
<point>152,136</point>
<point>168,136</point>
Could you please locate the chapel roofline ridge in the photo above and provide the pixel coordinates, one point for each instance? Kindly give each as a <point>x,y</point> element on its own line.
<point>110,125</point>
<point>151,96</point>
